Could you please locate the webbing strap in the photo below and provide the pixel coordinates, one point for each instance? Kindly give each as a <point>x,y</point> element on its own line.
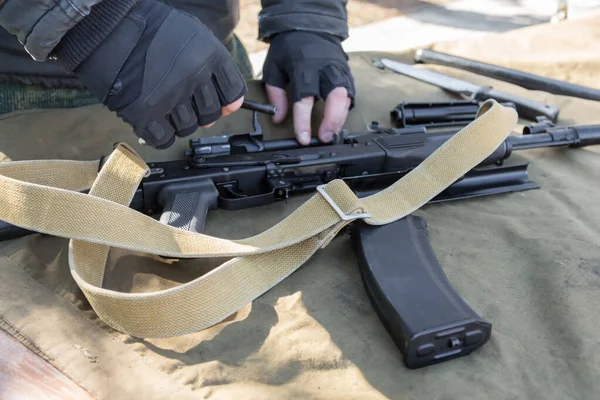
<point>42,196</point>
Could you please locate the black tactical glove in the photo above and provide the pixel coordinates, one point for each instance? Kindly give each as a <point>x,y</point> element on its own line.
<point>160,69</point>
<point>312,63</point>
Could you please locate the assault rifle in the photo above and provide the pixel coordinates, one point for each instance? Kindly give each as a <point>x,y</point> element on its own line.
<point>425,316</point>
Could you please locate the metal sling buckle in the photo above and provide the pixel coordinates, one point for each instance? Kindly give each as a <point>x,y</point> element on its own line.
<point>343,216</point>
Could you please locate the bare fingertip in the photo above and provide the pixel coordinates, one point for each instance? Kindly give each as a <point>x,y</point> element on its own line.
<point>303,138</point>
<point>326,137</point>
<point>233,107</point>
<point>277,118</point>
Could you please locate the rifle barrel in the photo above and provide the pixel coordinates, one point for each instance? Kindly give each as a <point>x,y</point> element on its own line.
<point>576,136</point>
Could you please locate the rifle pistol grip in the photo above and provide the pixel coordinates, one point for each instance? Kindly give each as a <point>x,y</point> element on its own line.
<point>186,204</point>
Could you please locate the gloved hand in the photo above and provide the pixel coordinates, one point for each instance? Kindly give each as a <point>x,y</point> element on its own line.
<point>159,69</point>
<point>315,66</point>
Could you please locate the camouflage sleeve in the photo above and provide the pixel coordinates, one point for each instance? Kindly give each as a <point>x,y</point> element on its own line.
<point>326,16</point>
<point>39,25</point>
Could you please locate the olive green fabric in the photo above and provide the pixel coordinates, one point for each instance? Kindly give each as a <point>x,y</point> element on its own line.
<point>528,262</point>
<point>18,96</point>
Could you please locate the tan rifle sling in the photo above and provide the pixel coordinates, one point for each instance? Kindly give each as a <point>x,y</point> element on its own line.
<point>44,196</point>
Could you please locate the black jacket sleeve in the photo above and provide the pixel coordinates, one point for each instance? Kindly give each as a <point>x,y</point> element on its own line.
<point>325,16</point>
<point>40,25</point>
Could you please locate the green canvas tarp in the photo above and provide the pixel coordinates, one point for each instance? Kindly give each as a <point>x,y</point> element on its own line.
<point>529,262</point>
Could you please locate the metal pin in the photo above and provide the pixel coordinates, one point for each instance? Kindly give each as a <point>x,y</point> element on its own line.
<point>260,107</point>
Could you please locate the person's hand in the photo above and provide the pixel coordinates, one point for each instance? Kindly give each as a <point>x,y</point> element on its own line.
<point>161,71</point>
<point>315,66</point>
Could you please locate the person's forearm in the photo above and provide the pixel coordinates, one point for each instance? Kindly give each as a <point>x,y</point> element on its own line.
<point>40,25</point>
<point>327,16</point>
